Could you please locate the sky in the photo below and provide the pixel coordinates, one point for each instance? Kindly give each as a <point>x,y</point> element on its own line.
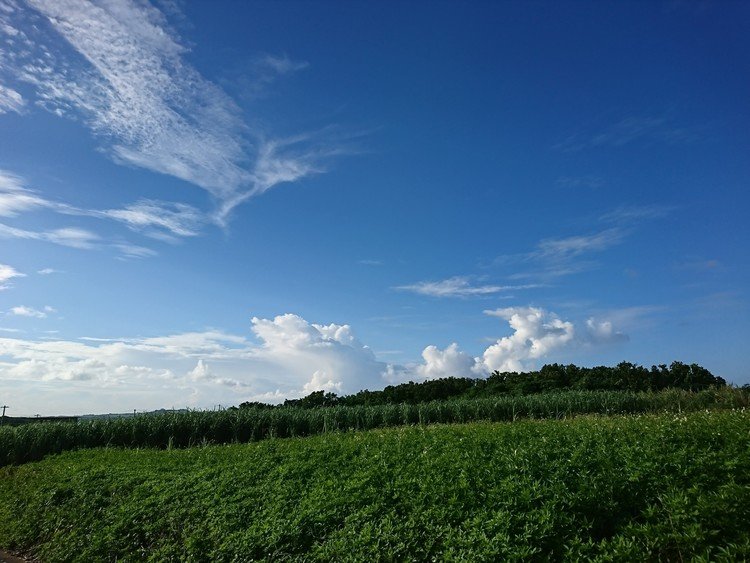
<point>205,203</point>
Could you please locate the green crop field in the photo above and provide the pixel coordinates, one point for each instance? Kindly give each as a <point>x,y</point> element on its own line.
<point>669,486</point>
<point>32,442</point>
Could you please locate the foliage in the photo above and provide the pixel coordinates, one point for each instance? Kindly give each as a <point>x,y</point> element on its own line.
<point>552,377</point>
<point>668,487</point>
<point>179,430</point>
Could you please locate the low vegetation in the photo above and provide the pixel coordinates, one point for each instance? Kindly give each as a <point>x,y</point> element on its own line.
<point>670,486</point>
<point>33,442</point>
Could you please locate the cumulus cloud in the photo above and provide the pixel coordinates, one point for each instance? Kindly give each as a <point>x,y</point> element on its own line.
<point>7,273</point>
<point>291,358</point>
<point>536,333</point>
<point>539,333</point>
<point>450,362</point>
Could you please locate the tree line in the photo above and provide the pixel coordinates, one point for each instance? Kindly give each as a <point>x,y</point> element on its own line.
<point>552,377</point>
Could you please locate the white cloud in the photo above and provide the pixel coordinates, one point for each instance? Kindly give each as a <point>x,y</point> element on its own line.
<point>47,271</point>
<point>23,311</point>
<point>14,197</point>
<point>281,64</point>
<point>557,257</point>
<point>291,358</point>
<point>536,333</point>
<point>66,236</point>
<point>457,286</point>
<point>124,71</point>
<point>157,219</point>
<point>263,72</point>
<point>10,100</point>
<point>278,162</point>
<point>562,249</point>
<point>450,362</point>
<point>128,250</point>
<point>7,273</point>
<point>539,333</point>
<point>603,331</point>
<point>138,92</point>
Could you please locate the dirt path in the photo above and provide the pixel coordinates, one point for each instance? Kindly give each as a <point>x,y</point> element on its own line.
<point>6,557</point>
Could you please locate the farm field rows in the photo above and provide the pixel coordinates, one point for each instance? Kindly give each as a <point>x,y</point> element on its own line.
<point>32,442</point>
<point>669,486</point>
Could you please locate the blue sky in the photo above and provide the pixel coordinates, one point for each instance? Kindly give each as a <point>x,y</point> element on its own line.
<point>204,203</point>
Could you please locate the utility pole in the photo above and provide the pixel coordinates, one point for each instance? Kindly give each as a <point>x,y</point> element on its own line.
<point>2,420</point>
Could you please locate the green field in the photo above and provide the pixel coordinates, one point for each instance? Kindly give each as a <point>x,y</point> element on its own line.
<point>669,486</point>
<point>32,442</point>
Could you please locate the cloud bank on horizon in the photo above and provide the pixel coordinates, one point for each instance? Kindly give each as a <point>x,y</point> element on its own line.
<point>292,359</point>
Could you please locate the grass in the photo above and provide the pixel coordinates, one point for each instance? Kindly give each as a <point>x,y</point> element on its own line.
<point>669,486</point>
<point>34,441</point>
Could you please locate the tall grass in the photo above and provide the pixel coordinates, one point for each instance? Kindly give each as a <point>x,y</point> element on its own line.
<point>180,430</point>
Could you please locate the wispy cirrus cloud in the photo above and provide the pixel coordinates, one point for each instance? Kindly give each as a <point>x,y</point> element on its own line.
<point>7,273</point>
<point>564,249</point>
<point>257,76</point>
<point>625,131</point>
<point>156,219</point>
<point>121,68</point>
<point>458,286</point>
<point>72,237</point>
<point>281,64</point>
<point>15,198</point>
<point>564,256</point>
<point>161,220</point>
<point>633,213</point>
<point>10,100</point>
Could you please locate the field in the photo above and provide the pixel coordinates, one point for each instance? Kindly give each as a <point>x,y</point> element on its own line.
<point>34,441</point>
<point>669,486</point>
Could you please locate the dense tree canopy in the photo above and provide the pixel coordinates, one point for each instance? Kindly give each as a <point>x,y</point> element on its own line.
<point>623,377</point>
